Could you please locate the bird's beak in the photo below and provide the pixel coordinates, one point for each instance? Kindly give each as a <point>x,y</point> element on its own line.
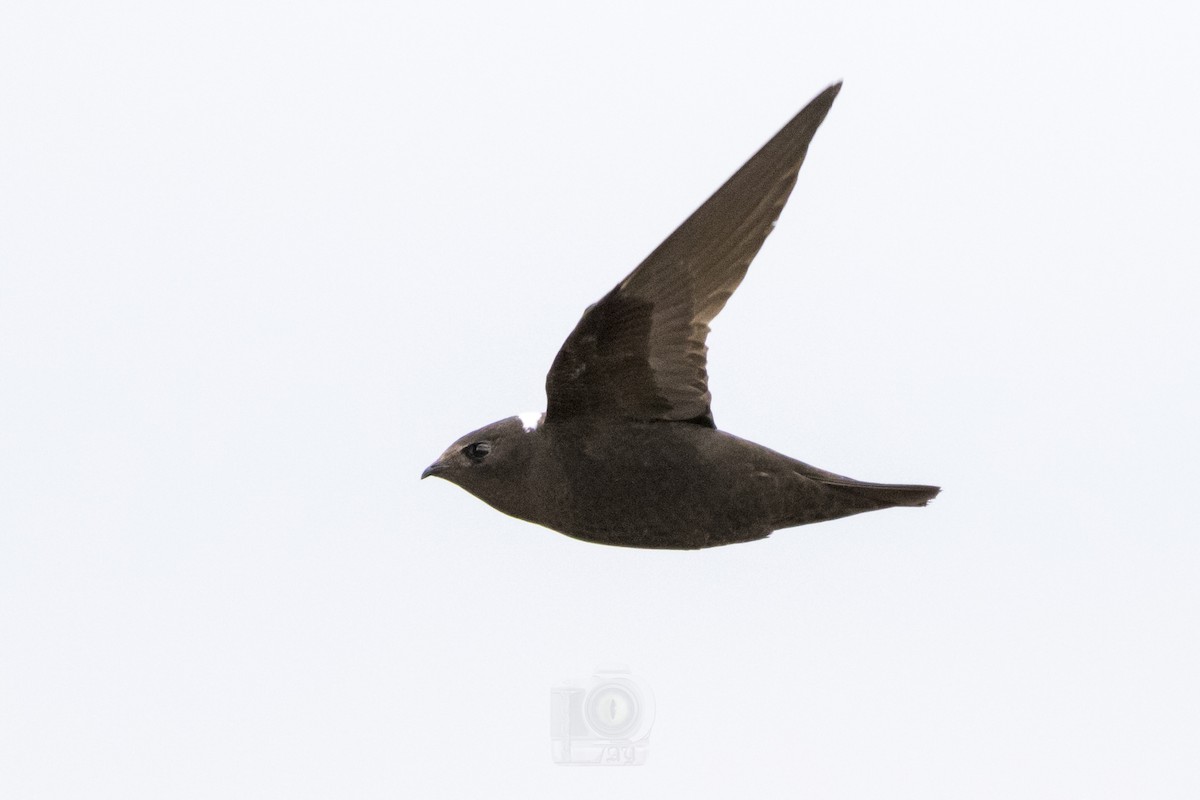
<point>432,469</point>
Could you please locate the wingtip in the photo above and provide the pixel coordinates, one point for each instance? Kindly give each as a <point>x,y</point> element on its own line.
<point>821,104</point>
<point>831,91</point>
<point>813,114</point>
<point>829,94</point>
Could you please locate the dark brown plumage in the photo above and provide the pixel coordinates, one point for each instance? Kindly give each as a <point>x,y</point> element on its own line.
<point>627,452</point>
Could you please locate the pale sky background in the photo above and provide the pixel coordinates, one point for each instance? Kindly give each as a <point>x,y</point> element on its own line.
<point>261,262</point>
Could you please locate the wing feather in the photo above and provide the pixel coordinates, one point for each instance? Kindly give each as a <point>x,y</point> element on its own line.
<point>640,353</point>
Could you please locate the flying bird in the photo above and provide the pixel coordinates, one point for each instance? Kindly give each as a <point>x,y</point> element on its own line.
<point>627,452</point>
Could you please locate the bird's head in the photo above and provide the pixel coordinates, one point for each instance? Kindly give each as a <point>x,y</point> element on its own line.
<point>490,461</point>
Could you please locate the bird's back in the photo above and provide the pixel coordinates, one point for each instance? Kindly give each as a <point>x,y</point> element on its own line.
<point>683,486</point>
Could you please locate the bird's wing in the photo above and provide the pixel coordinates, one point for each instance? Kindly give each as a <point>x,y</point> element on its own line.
<point>639,353</point>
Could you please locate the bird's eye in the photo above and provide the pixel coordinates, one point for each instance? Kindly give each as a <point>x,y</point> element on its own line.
<point>477,450</point>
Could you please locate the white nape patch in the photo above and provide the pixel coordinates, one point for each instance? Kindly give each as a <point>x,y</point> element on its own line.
<point>530,419</point>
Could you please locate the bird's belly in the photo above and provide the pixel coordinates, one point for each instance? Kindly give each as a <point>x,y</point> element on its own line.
<point>665,502</point>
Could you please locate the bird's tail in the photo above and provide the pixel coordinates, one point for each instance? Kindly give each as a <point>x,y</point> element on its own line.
<point>884,495</point>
